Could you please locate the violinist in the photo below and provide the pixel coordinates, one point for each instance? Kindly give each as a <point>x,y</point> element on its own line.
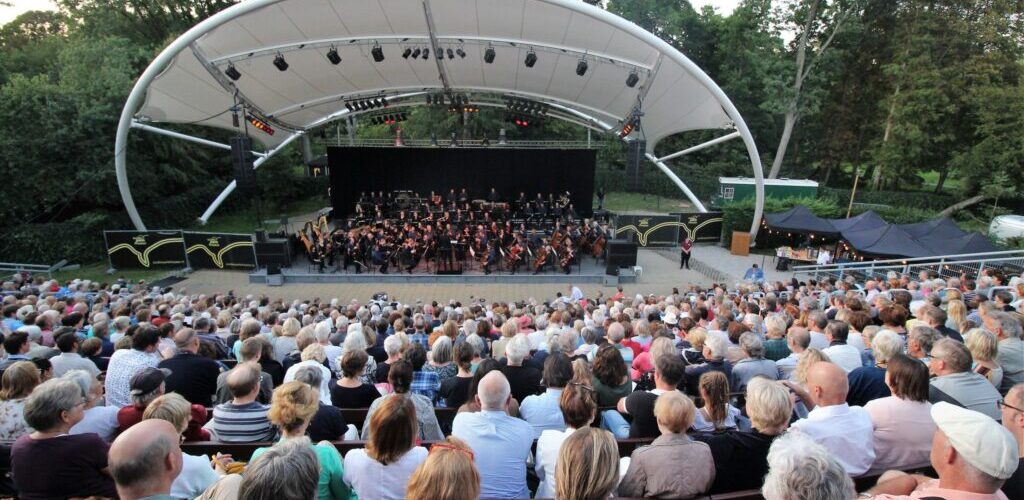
<point>543,256</point>
<point>515,255</point>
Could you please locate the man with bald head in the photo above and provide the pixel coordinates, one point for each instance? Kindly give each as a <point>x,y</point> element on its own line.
<point>845,430</point>
<point>145,460</point>
<point>192,376</point>
<point>500,443</point>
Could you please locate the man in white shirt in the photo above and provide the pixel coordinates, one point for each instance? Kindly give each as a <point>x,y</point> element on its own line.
<point>575,294</point>
<point>845,430</point>
<point>69,359</point>
<point>841,353</point>
<point>816,328</point>
<point>125,363</point>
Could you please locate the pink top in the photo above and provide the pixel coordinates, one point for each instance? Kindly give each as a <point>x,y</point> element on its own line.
<point>903,433</point>
<point>931,489</point>
<point>641,365</point>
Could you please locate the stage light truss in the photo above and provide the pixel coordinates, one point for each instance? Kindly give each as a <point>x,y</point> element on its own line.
<point>525,107</point>
<point>388,119</point>
<point>354,105</point>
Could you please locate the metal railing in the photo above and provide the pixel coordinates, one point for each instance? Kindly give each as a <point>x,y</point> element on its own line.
<point>468,143</point>
<point>944,266</point>
<point>17,267</point>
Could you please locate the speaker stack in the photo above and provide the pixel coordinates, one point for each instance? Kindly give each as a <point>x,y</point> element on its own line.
<point>241,159</point>
<point>621,253</point>
<point>634,161</point>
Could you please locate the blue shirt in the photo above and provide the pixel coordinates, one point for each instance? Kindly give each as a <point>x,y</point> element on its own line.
<point>754,274</point>
<point>501,445</point>
<point>421,339</point>
<point>425,384</point>
<point>542,412</point>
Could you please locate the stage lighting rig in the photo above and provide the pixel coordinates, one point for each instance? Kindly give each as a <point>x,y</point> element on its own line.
<point>632,79</point>
<point>451,53</point>
<point>260,124</point>
<point>426,54</point>
<point>232,72</point>
<point>461,53</point>
<point>416,53</point>
<point>489,54</point>
<point>332,55</point>
<point>377,52</point>
<point>406,53</point>
<point>280,62</point>
<point>531,59</point>
<point>581,67</point>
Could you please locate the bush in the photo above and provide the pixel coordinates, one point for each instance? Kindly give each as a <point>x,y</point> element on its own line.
<point>912,199</point>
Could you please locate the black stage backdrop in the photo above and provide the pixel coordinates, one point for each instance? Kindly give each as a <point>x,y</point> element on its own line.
<point>510,171</point>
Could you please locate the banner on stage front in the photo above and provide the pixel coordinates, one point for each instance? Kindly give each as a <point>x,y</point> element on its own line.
<point>220,251</point>
<point>700,226</point>
<point>145,249</point>
<point>648,230</point>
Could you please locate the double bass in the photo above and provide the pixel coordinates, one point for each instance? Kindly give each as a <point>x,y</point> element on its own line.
<point>543,254</point>
<point>598,248</point>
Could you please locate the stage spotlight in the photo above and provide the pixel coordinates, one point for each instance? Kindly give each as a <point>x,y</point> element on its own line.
<point>451,53</point>
<point>440,52</point>
<point>232,72</point>
<point>384,101</point>
<point>406,53</point>
<point>280,62</point>
<point>531,58</point>
<point>632,79</point>
<point>416,53</point>
<point>333,56</point>
<point>377,52</point>
<point>349,107</point>
<point>581,67</point>
<point>426,54</point>
<point>460,52</point>
<point>489,55</point>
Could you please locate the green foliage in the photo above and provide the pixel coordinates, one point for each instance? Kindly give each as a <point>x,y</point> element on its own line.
<point>898,199</point>
<point>738,216</point>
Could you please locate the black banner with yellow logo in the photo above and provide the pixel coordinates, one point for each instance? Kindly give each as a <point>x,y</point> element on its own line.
<point>700,226</point>
<point>145,249</point>
<point>220,251</point>
<point>648,230</point>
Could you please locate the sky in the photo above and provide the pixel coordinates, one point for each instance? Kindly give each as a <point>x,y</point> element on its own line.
<point>8,13</point>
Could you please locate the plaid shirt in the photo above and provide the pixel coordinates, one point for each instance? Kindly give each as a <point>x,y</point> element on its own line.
<point>775,349</point>
<point>425,384</point>
<point>421,339</point>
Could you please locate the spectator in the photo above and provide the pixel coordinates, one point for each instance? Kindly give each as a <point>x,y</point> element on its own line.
<point>1013,419</point>
<point>509,330</point>
<point>424,383</point>
<point>98,419</point>
<point>542,411</point>
<point>611,379</point>
<point>668,370</point>
<point>936,318</point>
<point>524,380</point>
<point>322,334</point>
<point>694,471</point>
<point>741,458</point>
<point>313,355</point>
<point>984,348</point>
<point>90,349</point>
<point>954,382</point>
<point>350,391</point>
<point>801,469</point>
<point>447,474</point>
<point>797,341</point>
<point>441,360</point>
<point>145,460</point>
<point>16,345</point>
<point>52,410</point>
<point>817,321</point>
<point>382,470</point>
<point>1011,348</point>
<point>972,454</point>
<point>868,382</point>
<point>251,351</point>
<point>472,404</point>
<point>616,333</point>
<point>284,339</point>
<point>393,347</point>
<point>753,365</point>
<point>644,362</point>
<point>845,430</point>
<point>588,465</point>
<point>842,354</point>
<point>69,359</point>
<point>197,472</point>
<point>147,385</point>
<point>775,345</point>
<point>125,363</point>
<point>327,424</point>
<point>243,419</point>
<point>500,443</point>
<point>902,422</point>
<point>577,406</point>
<point>453,391</point>
<point>716,414</point>
<point>920,341</point>
<point>400,378</point>
<point>191,375</point>
<point>356,342</point>
<point>293,407</point>
<point>18,382</point>
<point>715,348</point>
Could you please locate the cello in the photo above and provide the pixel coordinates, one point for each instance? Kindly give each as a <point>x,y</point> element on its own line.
<point>598,248</point>
<point>542,258</point>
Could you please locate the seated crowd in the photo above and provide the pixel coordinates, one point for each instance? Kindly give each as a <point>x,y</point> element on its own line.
<point>911,387</point>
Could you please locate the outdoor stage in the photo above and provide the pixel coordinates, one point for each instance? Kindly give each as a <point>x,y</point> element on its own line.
<point>586,270</point>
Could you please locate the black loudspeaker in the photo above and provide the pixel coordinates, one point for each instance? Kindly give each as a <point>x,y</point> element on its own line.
<point>621,253</point>
<point>261,235</point>
<point>273,269</point>
<point>241,159</point>
<point>634,161</point>
<point>273,252</point>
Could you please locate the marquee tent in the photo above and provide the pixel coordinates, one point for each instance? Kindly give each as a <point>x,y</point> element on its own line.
<point>800,219</point>
<point>296,65</point>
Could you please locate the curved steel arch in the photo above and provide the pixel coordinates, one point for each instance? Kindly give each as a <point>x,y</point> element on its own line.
<point>164,59</point>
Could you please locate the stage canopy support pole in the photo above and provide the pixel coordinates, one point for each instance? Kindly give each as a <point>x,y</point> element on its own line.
<point>234,183</point>
<point>679,182</point>
<point>184,137</point>
<point>699,147</point>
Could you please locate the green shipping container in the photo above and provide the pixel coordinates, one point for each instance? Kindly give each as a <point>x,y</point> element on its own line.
<point>740,188</point>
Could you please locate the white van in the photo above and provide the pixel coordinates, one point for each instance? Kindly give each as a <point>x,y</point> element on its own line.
<point>1004,227</point>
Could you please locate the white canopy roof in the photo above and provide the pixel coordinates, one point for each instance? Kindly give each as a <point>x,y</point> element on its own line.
<point>187,82</point>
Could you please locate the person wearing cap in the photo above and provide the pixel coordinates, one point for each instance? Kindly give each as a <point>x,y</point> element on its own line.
<point>972,454</point>
<point>191,375</point>
<point>1012,408</point>
<point>125,363</point>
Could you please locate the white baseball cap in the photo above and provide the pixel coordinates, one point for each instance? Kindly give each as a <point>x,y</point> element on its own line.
<point>983,442</point>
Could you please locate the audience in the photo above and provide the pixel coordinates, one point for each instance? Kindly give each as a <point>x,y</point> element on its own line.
<point>984,347</point>
<point>448,473</point>
<point>382,470</point>
<point>715,348</point>
<point>191,375</point>
<point>472,404</point>
<point>1008,330</point>
<point>692,468</point>
<point>454,390</point>
<point>717,413</point>
<point>902,422</point>
<point>243,419</point>
<point>350,391</point>
<point>611,379</point>
<point>500,443</point>
<point>328,424</point>
<point>867,383</point>
<point>97,419</point>
<point>400,377</point>
<point>954,382</point>
<point>668,371</point>
<point>842,354</point>
<point>578,407</point>
<point>588,465</point>
<point>753,364</point>
<point>197,472</point>
<point>69,359</point>
<point>524,380</point>
<point>250,351</point>
<point>801,469</point>
<point>1013,419</point>
<point>145,460</point>
<point>542,411</point>
<point>16,384</point>
<point>125,363</point>
<point>288,471</point>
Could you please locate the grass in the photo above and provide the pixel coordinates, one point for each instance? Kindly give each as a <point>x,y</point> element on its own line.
<point>932,178</point>
<point>623,202</point>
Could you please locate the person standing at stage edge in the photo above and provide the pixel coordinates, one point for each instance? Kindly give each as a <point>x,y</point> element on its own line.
<point>684,254</point>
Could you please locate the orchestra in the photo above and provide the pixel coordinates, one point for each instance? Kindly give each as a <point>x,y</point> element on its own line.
<point>401,230</point>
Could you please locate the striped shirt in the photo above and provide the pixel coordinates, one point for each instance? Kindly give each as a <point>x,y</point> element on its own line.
<point>242,423</point>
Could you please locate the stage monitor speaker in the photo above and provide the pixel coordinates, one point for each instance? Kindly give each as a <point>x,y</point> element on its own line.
<point>634,164</point>
<point>621,253</point>
<point>273,268</point>
<point>273,252</point>
<point>242,161</point>
<point>261,235</point>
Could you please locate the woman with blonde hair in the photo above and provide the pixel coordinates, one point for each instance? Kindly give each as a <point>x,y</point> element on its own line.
<point>448,473</point>
<point>716,414</point>
<point>382,469</point>
<point>647,475</point>
<point>449,329</point>
<point>16,385</point>
<point>588,465</point>
<point>984,347</point>
<point>291,410</point>
<point>956,315</point>
<point>197,472</point>
<point>578,404</point>
<point>694,355</point>
<point>508,330</point>
<point>285,343</point>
